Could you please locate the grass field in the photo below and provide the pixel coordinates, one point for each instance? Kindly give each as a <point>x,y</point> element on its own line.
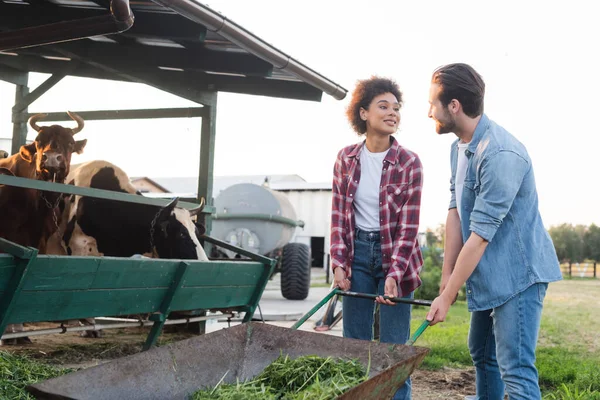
<point>568,353</point>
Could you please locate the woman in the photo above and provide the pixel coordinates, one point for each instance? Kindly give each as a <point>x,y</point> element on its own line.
<point>375,218</point>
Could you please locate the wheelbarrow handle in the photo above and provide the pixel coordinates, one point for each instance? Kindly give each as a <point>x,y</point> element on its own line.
<point>394,299</point>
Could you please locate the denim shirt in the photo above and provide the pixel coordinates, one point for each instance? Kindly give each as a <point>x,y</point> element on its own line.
<point>500,204</point>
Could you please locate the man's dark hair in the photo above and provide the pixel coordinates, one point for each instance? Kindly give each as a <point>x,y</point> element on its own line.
<point>364,93</point>
<point>461,82</point>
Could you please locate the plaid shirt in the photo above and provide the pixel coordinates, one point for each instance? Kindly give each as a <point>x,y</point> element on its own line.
<point>399,206</point>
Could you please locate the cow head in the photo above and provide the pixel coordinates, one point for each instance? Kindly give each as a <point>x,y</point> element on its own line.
<point>52,149</point>
<point>176,235</point>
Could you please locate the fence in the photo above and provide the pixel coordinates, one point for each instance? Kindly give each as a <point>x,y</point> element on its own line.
<point>580,270</point>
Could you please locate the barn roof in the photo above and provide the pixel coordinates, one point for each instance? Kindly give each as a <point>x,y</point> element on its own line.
<point>179,46</point>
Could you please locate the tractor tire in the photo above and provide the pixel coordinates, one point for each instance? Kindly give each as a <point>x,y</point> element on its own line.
<point>295,271</point>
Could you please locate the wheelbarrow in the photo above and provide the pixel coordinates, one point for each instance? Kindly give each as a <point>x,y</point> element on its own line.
<point>239,353</point>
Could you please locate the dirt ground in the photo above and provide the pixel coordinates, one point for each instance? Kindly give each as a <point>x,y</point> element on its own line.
<point>69,350</point>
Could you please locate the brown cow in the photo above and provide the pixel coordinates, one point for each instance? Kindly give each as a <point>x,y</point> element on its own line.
<point>29,217</point>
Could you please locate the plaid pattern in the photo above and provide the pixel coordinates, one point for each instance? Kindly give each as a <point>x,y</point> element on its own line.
<point>399,207</point>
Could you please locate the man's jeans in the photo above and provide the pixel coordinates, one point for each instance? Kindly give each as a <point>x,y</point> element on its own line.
<point>358,314</point>
<point>502,342</point>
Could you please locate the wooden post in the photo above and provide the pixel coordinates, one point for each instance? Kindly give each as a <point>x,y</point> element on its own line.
<point>160,317</point>
<point>13,290</point>
<point>595,269</point>
<point>570,269</point>
<point>19,137</point>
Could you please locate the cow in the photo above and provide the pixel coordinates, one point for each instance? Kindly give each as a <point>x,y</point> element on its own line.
<point>30,217</point>
<point>98,227</point>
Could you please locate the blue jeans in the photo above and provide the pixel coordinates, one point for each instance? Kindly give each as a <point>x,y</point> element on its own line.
<point>358,314</point>
<point>502,343</point>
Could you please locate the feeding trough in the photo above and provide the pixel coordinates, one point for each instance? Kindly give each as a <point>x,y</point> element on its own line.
<point>177,370</point>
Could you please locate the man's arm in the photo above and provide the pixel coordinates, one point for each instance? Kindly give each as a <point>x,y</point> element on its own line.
<point>501,177</point>
<point>467,261</point>
<point>452,245</point>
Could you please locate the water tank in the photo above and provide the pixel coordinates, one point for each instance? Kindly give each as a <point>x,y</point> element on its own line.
<point>254,218</point>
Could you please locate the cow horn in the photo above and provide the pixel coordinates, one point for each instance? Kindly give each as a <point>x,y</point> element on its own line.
<point>80,123</point>
<point>197,210</point>
<point>34,119</point>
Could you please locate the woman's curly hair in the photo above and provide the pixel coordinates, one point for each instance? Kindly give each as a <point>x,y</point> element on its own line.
<point>364,93</point>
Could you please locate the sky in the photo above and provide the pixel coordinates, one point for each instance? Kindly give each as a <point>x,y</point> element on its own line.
<point>538,60</point>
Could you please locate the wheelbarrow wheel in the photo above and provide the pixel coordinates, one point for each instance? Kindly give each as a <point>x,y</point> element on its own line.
<point>295,271</point>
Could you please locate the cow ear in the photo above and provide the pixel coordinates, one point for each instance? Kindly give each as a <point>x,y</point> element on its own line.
<point>28,151</point>
<point>79,145</point>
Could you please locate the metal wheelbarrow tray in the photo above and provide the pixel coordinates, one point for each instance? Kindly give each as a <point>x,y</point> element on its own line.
<point>177,370</point>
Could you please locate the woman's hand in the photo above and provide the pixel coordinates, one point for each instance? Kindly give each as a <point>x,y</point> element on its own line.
<point>340,280</point>
<point>390,290</point>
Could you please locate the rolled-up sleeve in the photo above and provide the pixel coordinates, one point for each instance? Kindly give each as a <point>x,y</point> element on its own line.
<point>500,178</point>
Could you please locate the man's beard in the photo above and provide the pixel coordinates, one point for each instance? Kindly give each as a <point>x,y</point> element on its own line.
<point>446,126</point>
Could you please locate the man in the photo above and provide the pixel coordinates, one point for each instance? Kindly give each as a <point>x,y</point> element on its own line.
<point>495,239</point>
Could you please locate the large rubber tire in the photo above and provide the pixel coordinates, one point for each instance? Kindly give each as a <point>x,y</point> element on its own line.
<point>295,271</point>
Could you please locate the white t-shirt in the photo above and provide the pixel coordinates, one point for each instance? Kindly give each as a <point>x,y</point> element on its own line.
<point>366,200</point>
<point>461,171</point>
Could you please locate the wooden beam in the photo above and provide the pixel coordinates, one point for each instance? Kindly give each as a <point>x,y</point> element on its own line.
<point>175,82</point>
<point>19,128</point>
<point>13,290</point>
<point>47,66</point>
<point>13,75</point>
<point>207,156</point>
<point>101,115</point>
<point>192,57</point>
<point>37,92</point>
<point>165,308</point>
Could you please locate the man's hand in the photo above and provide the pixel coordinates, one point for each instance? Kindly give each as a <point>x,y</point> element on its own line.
<point>390,290</point>
<point>439,309</point>
<point>340,280</point>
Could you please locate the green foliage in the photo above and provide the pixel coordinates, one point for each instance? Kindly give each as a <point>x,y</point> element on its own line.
<point>572,392</point>
<point>431,274</point>
<point>576,243</point>
<point>592,242</point>
<point>572,366</point>
<point>16,372</point>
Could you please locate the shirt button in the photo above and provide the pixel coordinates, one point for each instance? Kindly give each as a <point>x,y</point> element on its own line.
<point>468,291</point>
<point>350,194</point>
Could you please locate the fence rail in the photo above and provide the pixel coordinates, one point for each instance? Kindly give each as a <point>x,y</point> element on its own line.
<point>580,270</point>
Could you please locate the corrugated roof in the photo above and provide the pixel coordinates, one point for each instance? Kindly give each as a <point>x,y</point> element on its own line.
<point>180,46</point>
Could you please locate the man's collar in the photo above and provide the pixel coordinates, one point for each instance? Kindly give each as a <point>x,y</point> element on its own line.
<point>482,125</point>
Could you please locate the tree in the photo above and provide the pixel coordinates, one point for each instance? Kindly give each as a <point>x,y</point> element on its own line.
<point>569,242</point>
<point>592,242</point>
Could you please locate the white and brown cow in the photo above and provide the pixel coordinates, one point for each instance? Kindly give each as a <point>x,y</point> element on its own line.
<point>98,227</point>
